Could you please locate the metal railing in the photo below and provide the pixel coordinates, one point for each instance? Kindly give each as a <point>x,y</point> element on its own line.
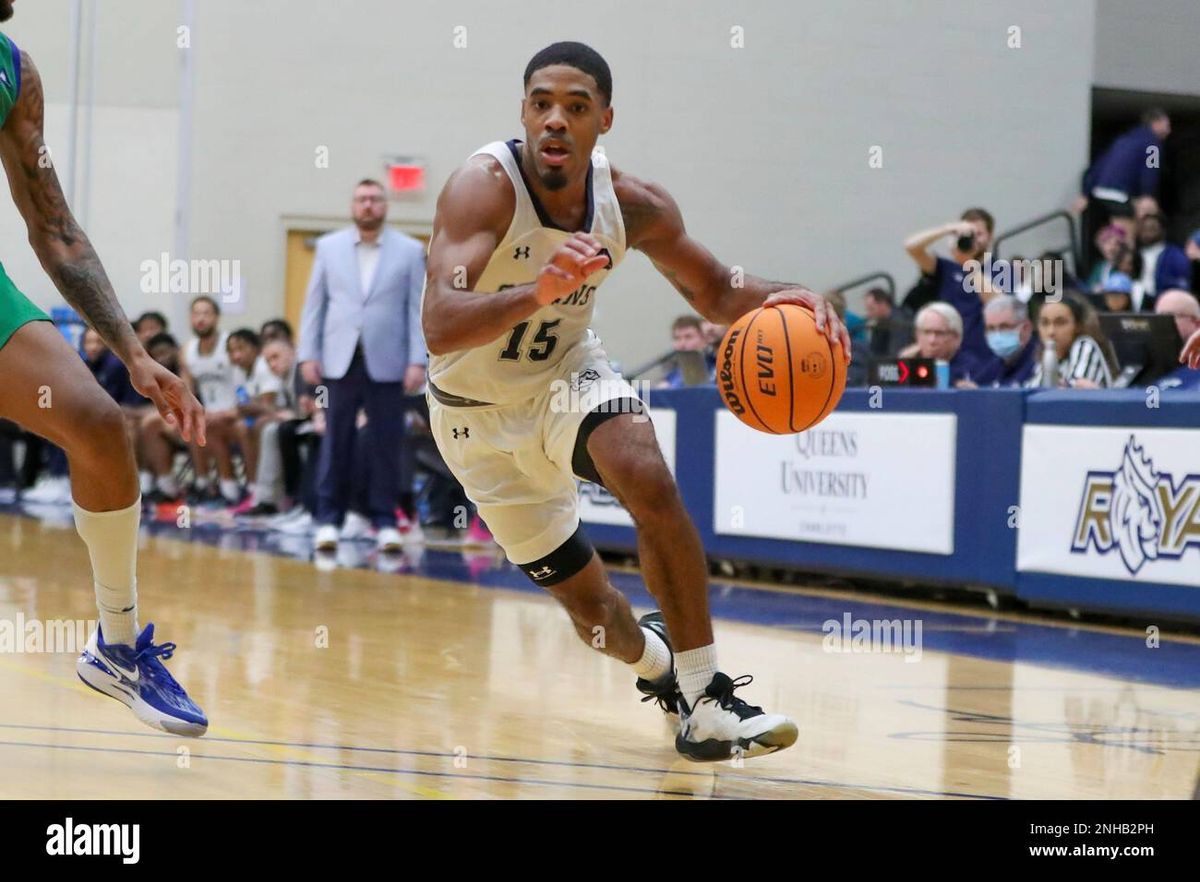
<point>1072,233</point>
<point>888,282</point>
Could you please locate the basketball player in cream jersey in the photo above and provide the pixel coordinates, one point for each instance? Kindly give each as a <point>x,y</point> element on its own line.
<point>522,398</point>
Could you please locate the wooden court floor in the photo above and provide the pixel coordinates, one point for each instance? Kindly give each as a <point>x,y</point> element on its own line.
<point>362,684</point>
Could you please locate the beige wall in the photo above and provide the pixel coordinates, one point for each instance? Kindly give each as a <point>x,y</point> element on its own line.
<point>765,147</point>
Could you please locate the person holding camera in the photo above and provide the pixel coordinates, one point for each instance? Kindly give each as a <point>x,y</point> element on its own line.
<point>960,280</point>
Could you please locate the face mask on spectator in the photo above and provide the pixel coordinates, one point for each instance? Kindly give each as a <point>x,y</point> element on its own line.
<point>1004,343</point>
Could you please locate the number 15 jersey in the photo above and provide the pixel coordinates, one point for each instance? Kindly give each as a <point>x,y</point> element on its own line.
<point>522,362</point>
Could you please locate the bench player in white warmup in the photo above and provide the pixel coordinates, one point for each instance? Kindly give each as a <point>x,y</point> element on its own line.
<point>524,234</point>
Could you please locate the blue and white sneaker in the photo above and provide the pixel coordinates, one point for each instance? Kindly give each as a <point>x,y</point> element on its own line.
<point>136,676</point>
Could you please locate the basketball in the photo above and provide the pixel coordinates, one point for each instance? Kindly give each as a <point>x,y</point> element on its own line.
<point>777,372</point>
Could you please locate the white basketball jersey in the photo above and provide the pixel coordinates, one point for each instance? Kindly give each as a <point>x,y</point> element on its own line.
<point>213,373</point>
<point>521,363</point>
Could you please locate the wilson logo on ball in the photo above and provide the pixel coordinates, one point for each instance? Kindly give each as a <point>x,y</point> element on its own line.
<point>728,392</point>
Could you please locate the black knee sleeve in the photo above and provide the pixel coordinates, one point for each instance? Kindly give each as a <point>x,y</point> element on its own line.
<point>563,562</point>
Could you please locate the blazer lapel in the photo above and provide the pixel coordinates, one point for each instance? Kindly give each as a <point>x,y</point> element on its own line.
<point>385,255</point>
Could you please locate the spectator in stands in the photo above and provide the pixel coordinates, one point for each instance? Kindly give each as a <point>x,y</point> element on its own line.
<point>206,365</point>
<point>1109,242</point>
<point>1116,295</point>
<point>888,331</point>
<point>1012,341</point>
<point>1129,168</point>
<point>1164,265</point>
<point>1185,308</point>
<point>1064,325</point>
<point>149,324</point>
<point>361,338</point>
<point>275,329</point>
<point>267,497</point>
<point>939,330</point>
<point>960,282</point>
<point>158,441</point>
<point>687,335</point>
<point>258,391</point>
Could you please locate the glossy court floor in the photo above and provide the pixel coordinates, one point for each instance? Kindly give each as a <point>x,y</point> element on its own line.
<point>452,678</point>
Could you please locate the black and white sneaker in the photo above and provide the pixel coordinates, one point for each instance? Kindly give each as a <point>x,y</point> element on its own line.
<point>664,690</point>
<point>721,726</point>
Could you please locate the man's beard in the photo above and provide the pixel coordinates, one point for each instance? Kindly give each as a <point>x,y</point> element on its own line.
<point>553,180</point>
<point>369,224</point>
<point>6,10</point>
<point>205,334</point>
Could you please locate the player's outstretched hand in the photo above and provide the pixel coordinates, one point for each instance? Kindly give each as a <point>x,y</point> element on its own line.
<point>171,396</point>
<point>570,264</point>
<point>1191,351</point>
<point>825,315</point>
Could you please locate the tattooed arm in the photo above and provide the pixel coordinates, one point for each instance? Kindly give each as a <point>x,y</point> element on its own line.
<point>654,226</point>
<point>69,259</point>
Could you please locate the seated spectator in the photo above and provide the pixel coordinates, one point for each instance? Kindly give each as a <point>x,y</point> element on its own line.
<point>1116,294</point>
<point>257,390</point>
<point>686,336</point>
<point>888,331</point>
<point>1109,241</point>
<point>860,357</point>
<point>939,336</point>
<point>1082,361</point>
<point>1164,265</point>
<point>1184,307</point>
<point>1012,341</point>
<point>267,495</point>
<point>148,325</point>
<point>158,440</point>
<point>960,282</point>
<point>276,329</point>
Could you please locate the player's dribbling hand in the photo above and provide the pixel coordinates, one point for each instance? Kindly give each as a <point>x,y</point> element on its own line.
<point>171,396</point>
<point>1191,351</point>
<point>824,314</point>
<point>570,264</point>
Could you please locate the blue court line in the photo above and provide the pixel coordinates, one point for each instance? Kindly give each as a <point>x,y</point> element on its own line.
<point>399,751</point>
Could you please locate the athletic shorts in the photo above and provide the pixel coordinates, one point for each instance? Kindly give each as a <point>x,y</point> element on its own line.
<point>15,309</point>
<point>515,461</point>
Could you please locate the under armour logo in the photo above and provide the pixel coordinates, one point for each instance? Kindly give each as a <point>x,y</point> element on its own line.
<point>542,573</point>
<point>521,252</point>
<point>466,433</point>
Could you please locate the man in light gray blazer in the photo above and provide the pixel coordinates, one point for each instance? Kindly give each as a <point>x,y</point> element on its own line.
<point>360,337</point>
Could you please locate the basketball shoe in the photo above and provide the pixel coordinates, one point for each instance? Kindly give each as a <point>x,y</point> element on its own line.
<point>664,690</point>
<point>722,726</point>
<point>136,676</point>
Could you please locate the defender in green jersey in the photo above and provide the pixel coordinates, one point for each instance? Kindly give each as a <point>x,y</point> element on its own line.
<point>46,388</point>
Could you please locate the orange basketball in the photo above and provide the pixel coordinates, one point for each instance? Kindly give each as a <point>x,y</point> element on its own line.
<point>777,372</point>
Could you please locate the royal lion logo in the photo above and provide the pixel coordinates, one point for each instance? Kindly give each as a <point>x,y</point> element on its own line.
<point>1138,511</point>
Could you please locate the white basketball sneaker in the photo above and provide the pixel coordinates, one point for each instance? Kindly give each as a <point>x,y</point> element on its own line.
<point>721,726</point>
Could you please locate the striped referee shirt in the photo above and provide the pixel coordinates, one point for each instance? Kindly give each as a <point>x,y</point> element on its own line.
<point>1085,361</point>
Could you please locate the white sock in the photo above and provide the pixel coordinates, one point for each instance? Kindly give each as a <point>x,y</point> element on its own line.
<point>167,485</point>
<point>656,658</point>
<point>695,669</point>
<point>201,484</point>
<point>146,482</point>
<point>111,538</point>
<point>230,489</point>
